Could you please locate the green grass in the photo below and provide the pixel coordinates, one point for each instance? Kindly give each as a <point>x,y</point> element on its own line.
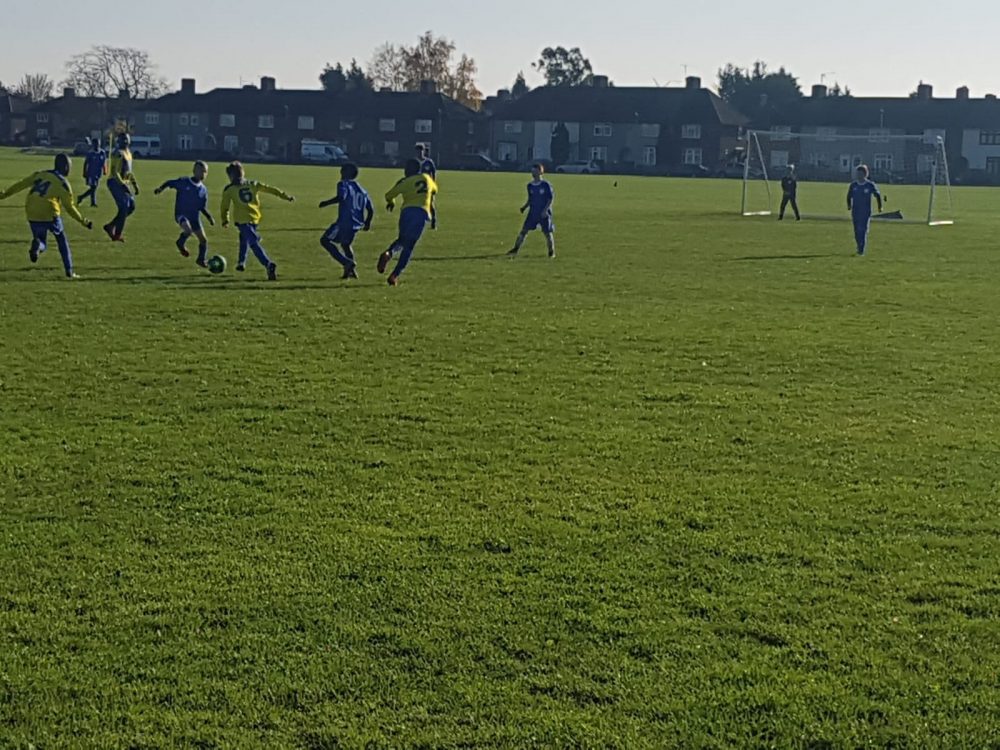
<point>701,482</point>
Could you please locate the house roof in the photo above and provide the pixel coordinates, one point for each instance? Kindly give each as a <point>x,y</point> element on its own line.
<point>254,101</point>
<point>619,104</point>
<point>11,104</point>
<point>897,113</point>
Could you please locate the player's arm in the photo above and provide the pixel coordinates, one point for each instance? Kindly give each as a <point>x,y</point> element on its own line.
<point>369,214</point>
<point>69,206</point>
<point>333,201</point>
<point>275,192</point>
<point>17,187</point>
<point>390,198</point>
<point>434,208</point>
<point>850,199</point>
<point>133,183</point>
<point>227,201</point>
<point>878,199</point>
<point>164,186</point>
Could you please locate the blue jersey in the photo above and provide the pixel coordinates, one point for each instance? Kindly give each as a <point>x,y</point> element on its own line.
<point>540,197</point>
<point>428,167</point>
<point>354,205</point>
<point>192,197</point>
<point>860,196</point>
<point>93,165</point>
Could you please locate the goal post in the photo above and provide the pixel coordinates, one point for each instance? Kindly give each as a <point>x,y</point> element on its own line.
<point>911,170</point>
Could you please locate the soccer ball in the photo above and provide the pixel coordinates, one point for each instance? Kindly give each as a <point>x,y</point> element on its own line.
<point>217,264</point>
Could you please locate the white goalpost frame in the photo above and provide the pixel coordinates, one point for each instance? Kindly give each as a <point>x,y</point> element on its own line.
<point>939,171</point>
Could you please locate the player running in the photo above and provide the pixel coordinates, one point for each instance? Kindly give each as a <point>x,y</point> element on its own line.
<point>190,204</point>
<point>123,187</point>
<point>859,203</point>
<point>95,166</point>
<point>243,196</point>
<point>419,195</point>
<point>49,194</point>
<point>355,213</point>
<point>539,207</point>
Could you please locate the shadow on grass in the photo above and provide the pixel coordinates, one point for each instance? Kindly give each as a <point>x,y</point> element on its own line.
<point>750,258</point>
<point>456,258</point>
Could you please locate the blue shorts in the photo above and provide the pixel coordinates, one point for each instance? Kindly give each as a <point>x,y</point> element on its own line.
<point>93,181</point>
<point>341,234</point>
<point>122,195</point>
<point>412,222</point>
<point>40,229</point>
<point>194,220</point>
<point>543,222</point>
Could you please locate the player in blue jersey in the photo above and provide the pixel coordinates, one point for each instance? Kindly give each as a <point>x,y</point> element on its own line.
<point>355,214</point>
<point>427,165</point>
<point>190,205</point>
<point>94,167</point>
<point>859,203</point>
<point>539,208</point>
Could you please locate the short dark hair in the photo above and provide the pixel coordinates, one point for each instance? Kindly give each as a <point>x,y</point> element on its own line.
<point>411,168</point>
<point>63,164</point>
<point>350,171</point>
<point>421,148</point>
<point>863,168</point>
<point>234,170</point>
<point>539,166</point>
<point>200,163</point>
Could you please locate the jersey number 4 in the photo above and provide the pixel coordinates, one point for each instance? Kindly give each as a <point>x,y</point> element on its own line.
<point>41,188</point>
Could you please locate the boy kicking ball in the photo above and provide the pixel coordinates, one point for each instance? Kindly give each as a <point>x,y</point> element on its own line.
<point>539,208</point>
<point>243,197</point>
<point>190,205</point>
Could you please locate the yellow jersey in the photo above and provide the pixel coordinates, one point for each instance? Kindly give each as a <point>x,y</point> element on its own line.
<point>121,168</point>
<point>244,198</point>
<point>48,195</point>
<point>417,191</point>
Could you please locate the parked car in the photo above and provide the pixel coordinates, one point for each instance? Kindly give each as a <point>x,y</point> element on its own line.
<point>145,146</point>
<point>323,152</point>
<point>477,163</point>
<point>690,170</point>
<point>81,148</point>
<point>579,167</point>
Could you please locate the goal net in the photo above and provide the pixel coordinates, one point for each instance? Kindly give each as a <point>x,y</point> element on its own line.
<point>910,170</point>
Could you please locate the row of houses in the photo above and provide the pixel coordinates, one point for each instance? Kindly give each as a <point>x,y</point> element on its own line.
<point>661,130</point>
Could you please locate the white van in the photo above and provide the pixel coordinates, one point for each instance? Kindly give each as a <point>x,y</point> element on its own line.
<point>323,152</point>
<point>146,146</point>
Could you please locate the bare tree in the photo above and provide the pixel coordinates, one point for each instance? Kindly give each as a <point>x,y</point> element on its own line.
<point>402,68</point>
<point>387,67</point>
<point>106,71</point>
<point>36,86</point>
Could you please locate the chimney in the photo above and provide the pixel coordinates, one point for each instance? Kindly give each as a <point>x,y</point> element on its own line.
<point>991,97</point>
<point>428,87</point>
<point>599,82</point>
<point>819,91</point>
<point>692,83</point>
<point>123,93</point>
<point>962,94</point>
<point>69,92</point>
<point>187,86</point>
<point>925,91</point>
<point>504,95</point>
<point>267,84</point>
<point>385,90</point>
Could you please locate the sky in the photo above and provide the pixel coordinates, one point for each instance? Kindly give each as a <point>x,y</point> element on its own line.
<point>877,49</point>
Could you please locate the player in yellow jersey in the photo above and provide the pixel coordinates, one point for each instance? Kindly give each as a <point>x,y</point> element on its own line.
<point>49,194</point>
<point>123,187</point>
<point>419,195</point>
<point>242,196</point>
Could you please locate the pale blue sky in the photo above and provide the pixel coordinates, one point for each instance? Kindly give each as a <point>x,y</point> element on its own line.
<point>877,48</point>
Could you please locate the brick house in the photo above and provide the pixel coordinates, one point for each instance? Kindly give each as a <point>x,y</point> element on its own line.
<point>650,130</point>
<point>374,127</point>
<point>14,118</point>
<point>69,118</point>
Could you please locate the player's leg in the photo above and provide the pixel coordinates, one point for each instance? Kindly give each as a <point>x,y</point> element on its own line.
<point>39,232</point>
<point>386,256</point>
<point>329,243</point>
<point>186,231</point>
<point>64,252</point>
<point>528,226</point>
<point>241,260</point>
<point>412,225</point>
<point>861,227</point>
<point>253,239</point>
<point>795,208</point>
<point>784,205</point>
<point>549,230</point>
<point>202,260</point>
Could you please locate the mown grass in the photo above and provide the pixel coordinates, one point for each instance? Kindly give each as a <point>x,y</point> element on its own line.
<point>701,482</point>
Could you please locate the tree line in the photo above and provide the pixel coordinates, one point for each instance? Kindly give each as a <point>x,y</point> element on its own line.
<point>108,71</point>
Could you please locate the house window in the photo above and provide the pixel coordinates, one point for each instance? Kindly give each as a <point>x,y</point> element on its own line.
<point>231,144</point>
<point>817,159</point>
<point>599,153</point>
<point>507,151</point>
<point>185,142</point>
<point>265,122</point>
<point>512,127</point>
<point>649,156</point>
<point>42,117</point>
<point>602,130</point>
<point>183,119</point>
<point>307,122</point>
<point>878,135</point>
<point>472,128</point>
<point>152,118</point>
<point>387,125</point>
<point>989,137</point>
<point>992,166</point>
<point>194,121</point>
<point>262,145</point>
<point>931,136</point>
<point>925,163</point>
<point>227,121</point>
<point>650,130</point>
<point>391,148</point>
<point>691,132</point>
<point>424,126</point>
<point>42,134</point>
<point>883,162</point>
<point>779,158</point>
<point>367,148</point>
<point>692,156</point>
<point>826,134</point>
<point>347,124</point>
<point>781,133</point>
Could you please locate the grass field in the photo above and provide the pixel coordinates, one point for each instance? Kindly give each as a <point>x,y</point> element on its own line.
<point>700,482</point>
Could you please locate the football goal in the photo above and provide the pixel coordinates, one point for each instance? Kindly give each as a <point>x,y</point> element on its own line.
<point>910,170</point>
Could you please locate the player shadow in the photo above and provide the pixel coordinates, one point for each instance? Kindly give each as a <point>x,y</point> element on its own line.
<point>751,258</point>
<point>456,258</point>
